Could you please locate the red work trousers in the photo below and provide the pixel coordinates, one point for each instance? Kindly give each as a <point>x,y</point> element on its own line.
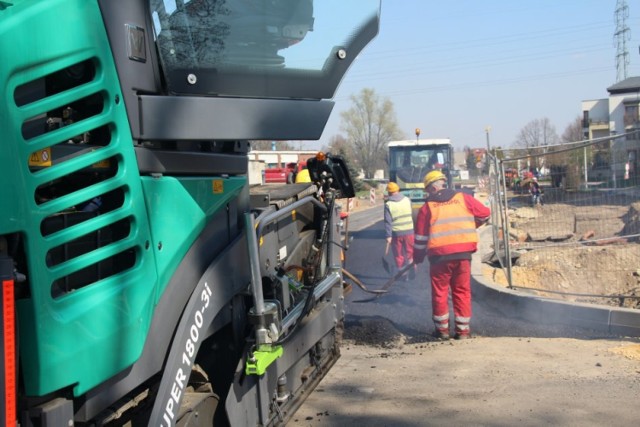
<point>454,275</point>
<point>402,247</point>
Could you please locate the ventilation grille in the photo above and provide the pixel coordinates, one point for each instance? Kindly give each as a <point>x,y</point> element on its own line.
<point>75,177</point>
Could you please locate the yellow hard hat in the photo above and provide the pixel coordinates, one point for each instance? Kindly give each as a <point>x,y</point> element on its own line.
<point>392,187</point>
<point>432,177</point>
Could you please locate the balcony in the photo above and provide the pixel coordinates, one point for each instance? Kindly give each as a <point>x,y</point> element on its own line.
<point>599,124</point>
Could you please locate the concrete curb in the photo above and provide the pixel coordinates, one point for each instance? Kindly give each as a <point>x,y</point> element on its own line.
<point>611,320</point>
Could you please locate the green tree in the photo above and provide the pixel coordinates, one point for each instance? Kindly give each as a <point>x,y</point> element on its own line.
<point>338,145</point>
<point>369,125</point>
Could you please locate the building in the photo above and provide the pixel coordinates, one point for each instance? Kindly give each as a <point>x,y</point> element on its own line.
<point>618,114</point>
<point>278,159</point>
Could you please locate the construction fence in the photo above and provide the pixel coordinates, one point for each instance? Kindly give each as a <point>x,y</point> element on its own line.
<point>579,240</point>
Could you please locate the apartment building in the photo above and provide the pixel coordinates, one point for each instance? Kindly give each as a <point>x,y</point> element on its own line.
<point>618,114</point>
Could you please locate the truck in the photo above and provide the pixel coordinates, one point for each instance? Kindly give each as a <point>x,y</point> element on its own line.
<point>410,160</point>
<point>282,165</point>
<point>144,280</point>
<point>277,175</point>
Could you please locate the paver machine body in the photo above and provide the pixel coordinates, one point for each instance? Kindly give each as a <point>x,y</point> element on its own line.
<point>145,281</point>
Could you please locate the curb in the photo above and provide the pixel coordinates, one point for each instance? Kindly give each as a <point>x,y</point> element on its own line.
<point>611,320</point>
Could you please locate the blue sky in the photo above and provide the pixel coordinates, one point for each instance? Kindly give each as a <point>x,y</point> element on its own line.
<point>454,68</point>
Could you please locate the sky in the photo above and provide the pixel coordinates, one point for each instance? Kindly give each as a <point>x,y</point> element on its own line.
<point>456,69</point>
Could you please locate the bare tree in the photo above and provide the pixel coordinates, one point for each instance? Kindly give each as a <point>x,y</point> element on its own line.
<point>262,145</point>
<point>537,133</point>
<point>573,132</point>
<point>339,145</point>
<point>369,125</point>
<point>563,165</point>
<point>596,157</point>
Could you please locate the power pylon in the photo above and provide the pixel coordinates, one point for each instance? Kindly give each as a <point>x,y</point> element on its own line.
<point>621,35</point>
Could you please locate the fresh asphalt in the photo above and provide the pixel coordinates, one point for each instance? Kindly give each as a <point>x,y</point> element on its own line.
<point>406,308</point>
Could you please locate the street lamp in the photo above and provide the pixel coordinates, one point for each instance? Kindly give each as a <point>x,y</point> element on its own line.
<point>487,130</point>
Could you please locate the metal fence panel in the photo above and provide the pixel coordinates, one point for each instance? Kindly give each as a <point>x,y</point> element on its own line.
<point>580,241</point>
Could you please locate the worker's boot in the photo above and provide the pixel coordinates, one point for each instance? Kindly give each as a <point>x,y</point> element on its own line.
<point>441,335</point>
<point>442,326</point>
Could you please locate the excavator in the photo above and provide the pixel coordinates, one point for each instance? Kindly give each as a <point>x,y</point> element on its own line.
<point>145,279</point>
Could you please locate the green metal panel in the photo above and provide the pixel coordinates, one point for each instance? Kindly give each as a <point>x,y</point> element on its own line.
<point>84,337</point>
<point>179,209</point>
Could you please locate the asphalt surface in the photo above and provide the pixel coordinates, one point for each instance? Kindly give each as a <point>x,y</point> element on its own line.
<point>392,372</point>
<point>406,309</point>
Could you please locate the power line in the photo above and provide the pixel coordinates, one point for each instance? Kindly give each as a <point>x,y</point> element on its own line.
<point>485,83</point>
<point>418,68</point>
<point>419,59</point>
<point>492,44</point>
<point>510,39</point>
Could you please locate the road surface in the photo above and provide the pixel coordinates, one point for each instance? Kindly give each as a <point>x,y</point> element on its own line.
<point>393,373</point>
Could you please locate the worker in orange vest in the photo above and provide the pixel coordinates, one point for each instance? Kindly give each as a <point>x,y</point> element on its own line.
<point>445,232</point>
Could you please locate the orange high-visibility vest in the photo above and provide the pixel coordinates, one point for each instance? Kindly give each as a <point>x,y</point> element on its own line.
<point>451,223</point>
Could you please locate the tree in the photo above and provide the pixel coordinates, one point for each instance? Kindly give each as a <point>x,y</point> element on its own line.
<point>564,166</point>
<point>573,132</point>
<point>471,160</point>
<point>341,147</point>
<point>261,145</point>
<point>535,138</point>
<point>595,157</point>
<point>537,133</point>
<point>369,125</point>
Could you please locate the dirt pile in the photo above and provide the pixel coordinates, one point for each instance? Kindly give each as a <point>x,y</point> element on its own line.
<point>632,221</point>
<point>373,332</point>
<point>576,252</point>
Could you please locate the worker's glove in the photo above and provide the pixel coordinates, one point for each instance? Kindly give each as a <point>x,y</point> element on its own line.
<point>418,257</point>
<point>482,221</point>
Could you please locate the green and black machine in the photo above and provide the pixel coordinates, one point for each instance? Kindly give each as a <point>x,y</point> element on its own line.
<point>145,279</point>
